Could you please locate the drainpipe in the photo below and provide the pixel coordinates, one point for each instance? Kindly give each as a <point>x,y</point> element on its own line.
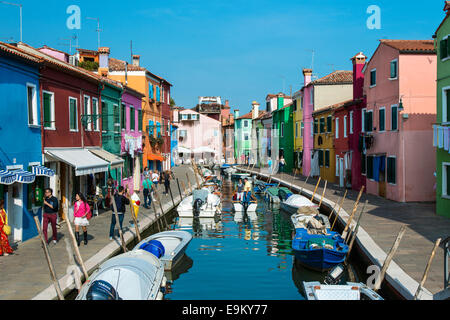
<point>82,128</point>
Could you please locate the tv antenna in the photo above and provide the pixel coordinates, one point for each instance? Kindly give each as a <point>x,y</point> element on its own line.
<point>98,28</point>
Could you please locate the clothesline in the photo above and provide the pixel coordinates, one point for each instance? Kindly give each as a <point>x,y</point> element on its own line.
<point>441,137</point>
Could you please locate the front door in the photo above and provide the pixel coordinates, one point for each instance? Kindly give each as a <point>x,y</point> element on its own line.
<point>14,211</point>
<point>341,172</point>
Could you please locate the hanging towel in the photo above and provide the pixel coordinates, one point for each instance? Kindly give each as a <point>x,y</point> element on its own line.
<point>446,139</point>
<point>435,135</point>
<point>376,168</point>
<point>440,137</point>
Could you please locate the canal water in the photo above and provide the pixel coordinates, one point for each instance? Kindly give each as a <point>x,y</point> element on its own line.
<point>235,256</point>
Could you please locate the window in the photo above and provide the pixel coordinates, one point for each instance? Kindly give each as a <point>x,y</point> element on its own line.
<point>158,94</point>
<point>140,120</point>
<point>316,126</point>
<point>296,130</point>
<point>246,137</point>
<point>87,111</point>
<point>105,117</point>
<point>150,91</point>
<point>302,128</point>
<point>445,48</point>
<point>162,94</point>
<point>367,120</point>
<point>311,96</point>
<point>363,164</point>
<point>373,78</point>
<point>32,105</point>
<point>370,167</point>
<point>294,106</point>
<point>48,99</point>
<point>345,126</point>
<point>351,122</point>
<point>382,119</point>
<point>337,166</point>
<point>394,117</point>
<point>320,158</point>
<point>95,118</point>
<point>123,118</point>
<point>446,179</point>
<point>327,158</point>
<point>116,119</point>
<point>337,128</point>
<point>184,117</point>
<point>73,117</point>
<point>282,130</point>
<point>329,126</point>
<point>245,123</point>
<point>394,69</point>
<point>391,170</point>
<point>446,104</point>
<point>322,125</point>
<point>132,119</point>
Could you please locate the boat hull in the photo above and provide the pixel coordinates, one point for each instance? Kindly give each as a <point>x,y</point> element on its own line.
<point>320,260</point>
<point>238,207</point>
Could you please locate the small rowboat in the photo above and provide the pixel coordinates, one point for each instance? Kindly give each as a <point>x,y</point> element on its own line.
<point>314,290</point>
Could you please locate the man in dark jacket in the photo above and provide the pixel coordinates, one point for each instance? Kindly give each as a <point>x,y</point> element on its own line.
<point>121,203</point>
<point>50,214</point>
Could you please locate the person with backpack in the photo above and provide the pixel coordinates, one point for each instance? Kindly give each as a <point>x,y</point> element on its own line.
<point>82,214</point>
<point>147,184</point>
<point>121,202</point>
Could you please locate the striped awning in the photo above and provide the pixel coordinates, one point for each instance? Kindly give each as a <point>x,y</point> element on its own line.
<point>24,176</point>
<point>7,177</point>
<point>41,171</point>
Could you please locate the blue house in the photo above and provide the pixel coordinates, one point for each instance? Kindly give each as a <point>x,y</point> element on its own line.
<point>22,178</point>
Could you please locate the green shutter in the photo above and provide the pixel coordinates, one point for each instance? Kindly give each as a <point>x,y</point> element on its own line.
<point>444,49</point>
<point>327,158</point>
<point>394,117</point>
<point>382,113</point>
<point>73,114</point>
<point>132,119</point>
<point>94,112</point>
<point>322,125</point>
<point>447,92</point>
<point>116,118</point>
<point>363,164</point>
<point>370,121</point>
<point>105,116</point>
<point>391,170</point>
<point>140,120</point>
<point>47,110</point>
<point>329,125</point>
<point>316,126</point>
<point>320,158</point>
<point>393,69</point>
<point>122,116</point>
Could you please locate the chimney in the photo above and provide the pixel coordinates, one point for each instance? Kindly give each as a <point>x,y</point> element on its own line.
<point>280,101</point>
<point>103,58</point>
<point>236,114</point>
<point>136,60</point>
<point>359,61</point>
<point>307,74</point>
<point>255,109</point>
<point>227,103</point>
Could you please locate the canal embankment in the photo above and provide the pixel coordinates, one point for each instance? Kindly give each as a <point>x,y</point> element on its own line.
<point>379,227</point>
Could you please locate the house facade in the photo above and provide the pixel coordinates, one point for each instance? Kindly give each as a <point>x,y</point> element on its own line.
<point>283,122</point>
<point>299,129</point>
<point>400,84</point>
<point>242,135</point>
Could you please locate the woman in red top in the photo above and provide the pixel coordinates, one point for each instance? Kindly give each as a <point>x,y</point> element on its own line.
<point>80,212</point>
<point>5,248</point>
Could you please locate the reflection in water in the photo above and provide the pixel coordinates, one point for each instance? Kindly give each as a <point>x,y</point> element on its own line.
<point>241,256</point>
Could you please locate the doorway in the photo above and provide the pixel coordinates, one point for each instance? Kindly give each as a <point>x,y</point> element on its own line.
<point>14,210</point>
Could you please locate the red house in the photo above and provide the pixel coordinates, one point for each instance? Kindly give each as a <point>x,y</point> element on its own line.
<point>71,122</point>
<point>348,137</point>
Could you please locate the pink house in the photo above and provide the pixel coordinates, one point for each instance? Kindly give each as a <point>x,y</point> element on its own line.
<point>398,156</point>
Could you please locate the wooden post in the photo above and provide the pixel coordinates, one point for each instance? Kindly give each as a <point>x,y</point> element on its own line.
<point>184,188</point>
<point>162,211</point>
<point>189,182</point>
<point>337,214</point>
<point>306,181</point>
<point>156,215</point>
<point>49,260</point>
<point>293,180</point>
<point>427,269</point>
<point>389,257</point>
<point>122,240</point>
<point>344,233</point>
<point>171,196</point>
<point>77,250</point>
<point>323,193</point>
<point>135,220</point>
<point>315,190</point>
<point>355,232</point>
<point>179,189</point>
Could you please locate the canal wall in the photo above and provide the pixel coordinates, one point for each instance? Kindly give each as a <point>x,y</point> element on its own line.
<point>396,278</point>
<point>114,248</point>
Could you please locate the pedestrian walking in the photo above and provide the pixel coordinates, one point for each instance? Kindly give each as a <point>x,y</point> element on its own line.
<point>5,248</point>
<point>82,214</point>
<point>121,202</point>
<point>147,184</point>
<point>155,180</point>
<point>167,178</point>
<point>50,214</point>
<point>146,173</point>
<point>282,164</point>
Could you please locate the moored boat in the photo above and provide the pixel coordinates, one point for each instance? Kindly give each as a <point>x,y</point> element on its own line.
<point>202,203</point>
<point>314,290</point>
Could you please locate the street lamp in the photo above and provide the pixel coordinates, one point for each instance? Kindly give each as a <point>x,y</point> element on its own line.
<point>20,9</point>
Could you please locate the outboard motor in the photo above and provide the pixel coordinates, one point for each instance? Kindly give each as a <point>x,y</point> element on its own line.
<point>154,247</point>
<point>283,195</point>
<point>196,207</point>
<point>102,290</point>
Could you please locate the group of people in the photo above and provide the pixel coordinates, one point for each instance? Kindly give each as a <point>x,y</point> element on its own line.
<point>153,179</point>
<point>244,190</point>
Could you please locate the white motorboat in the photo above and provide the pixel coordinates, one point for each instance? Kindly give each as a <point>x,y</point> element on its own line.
<point>295,202</point>
<point>201,203</point>
<point>175,244</point>
<point>134,275</point>
<point>239,207</point>
<point>314,290</point>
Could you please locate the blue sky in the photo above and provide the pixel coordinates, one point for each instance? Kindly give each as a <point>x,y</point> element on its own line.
<point>239,50</point>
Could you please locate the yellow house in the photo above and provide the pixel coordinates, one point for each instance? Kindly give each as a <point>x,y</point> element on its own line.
<point>324,128</point>
<point>298,128</point>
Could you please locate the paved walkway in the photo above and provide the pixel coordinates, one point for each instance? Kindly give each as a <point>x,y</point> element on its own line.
<point>383,220</point>
<point>25,273</point>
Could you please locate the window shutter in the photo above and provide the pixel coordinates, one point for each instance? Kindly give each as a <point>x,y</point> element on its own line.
<point>47,110</point>
<point>329,125</point>
<point>132,119</point>
<point>321,158</point>
<point>391,170</point>
<point>444,49</point>
<point>73,114</point>
<point>382,119</point>
<point>370,167</point>
<point>363,164</point>
<point>105,116</point>
<point>150,91</point>
<point>122,116</point>
<point>95,112</point>
<point>158,129</point>
<point>327,158</point>
<point>448,106</point>
<point>140,120</point>
<point>370,121</point>
<point>157,94</point>
<point>151,129</point>
<point>394,117</point>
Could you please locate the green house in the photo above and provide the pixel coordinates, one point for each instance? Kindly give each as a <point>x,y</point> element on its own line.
<point>442,37</point>
<point>283,133</point>
<point>242,137</point>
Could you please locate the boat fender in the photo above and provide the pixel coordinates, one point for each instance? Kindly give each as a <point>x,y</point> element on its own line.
<point>154,247</point>
<point>159,296</point>
<point>102,290</point>
<point>164,282</point>
<point>197,205</point>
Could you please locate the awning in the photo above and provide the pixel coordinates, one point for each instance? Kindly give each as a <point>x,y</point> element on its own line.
<point>156,157</point>
<point>41,171</point>
<point>24,176</point>
<point>204,150</point>
<point>7,177</point>
<point>115,161</point>
<point>82,160</point>
<point>183,150</point>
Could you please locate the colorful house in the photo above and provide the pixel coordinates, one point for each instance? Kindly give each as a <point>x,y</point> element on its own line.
<point>442,45</point>
<point>283,123</point>
<point>348,131</point>
<point>259,137</point>
<point>400,84</point>
<point>321,93</point>
<point>242,134</point>
<point>20,133</point>
<point>299,126</point>
<point>228,138</point>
